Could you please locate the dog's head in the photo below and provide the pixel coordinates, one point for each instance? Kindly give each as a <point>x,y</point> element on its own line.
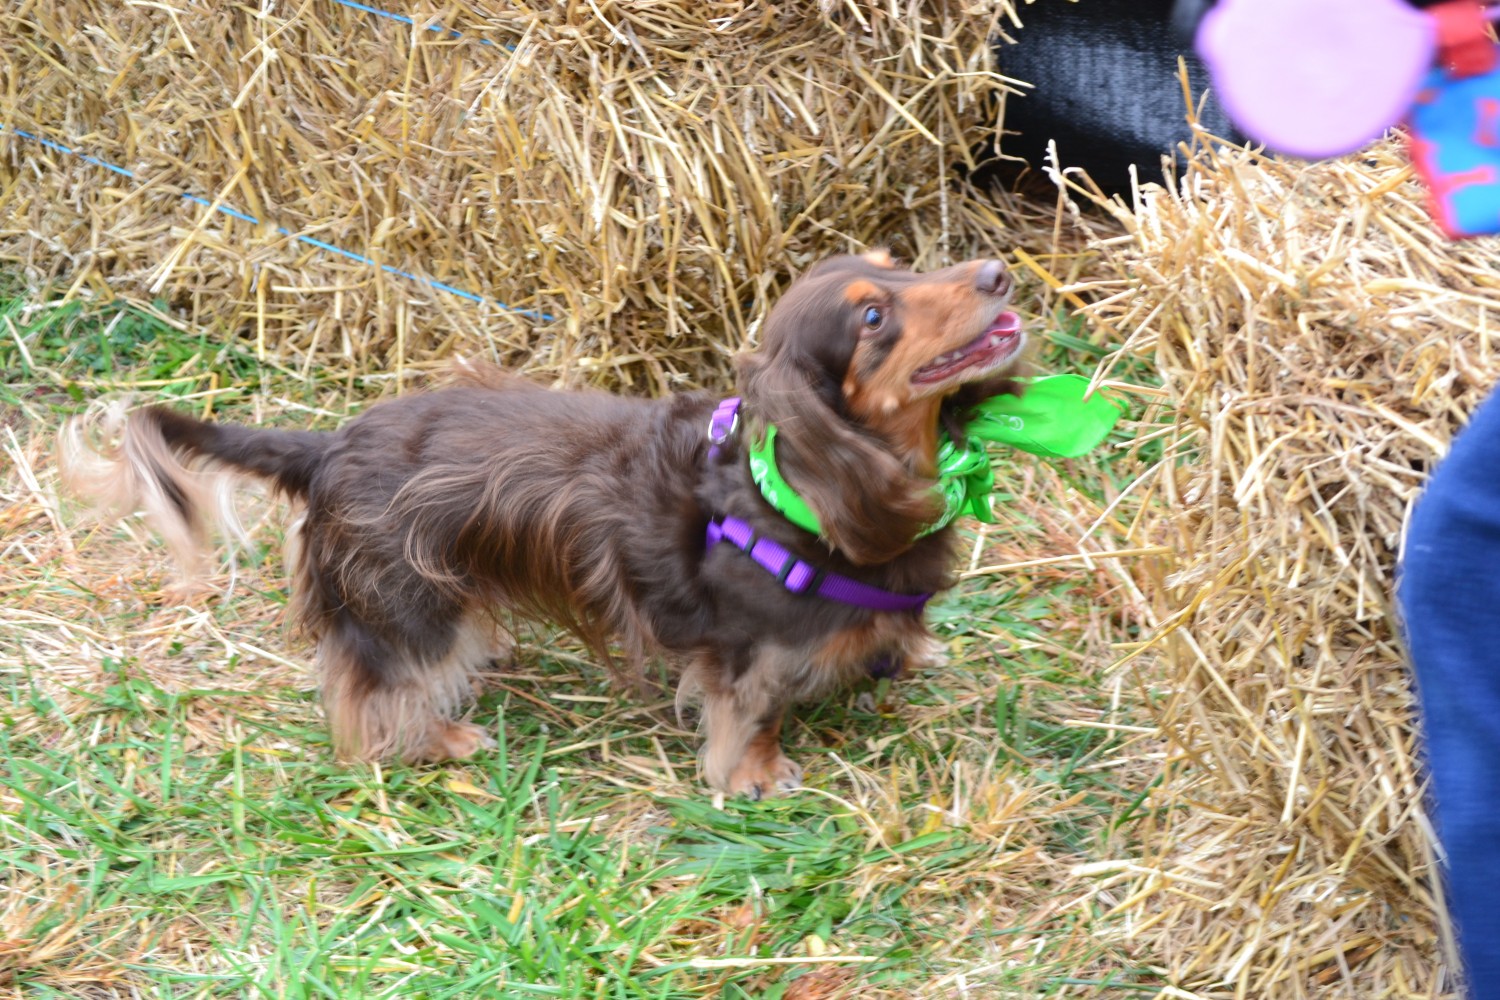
<point>859,360</point>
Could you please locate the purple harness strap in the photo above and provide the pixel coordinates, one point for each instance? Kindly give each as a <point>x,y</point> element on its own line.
<point>804,578</point>
<point>792,573</point>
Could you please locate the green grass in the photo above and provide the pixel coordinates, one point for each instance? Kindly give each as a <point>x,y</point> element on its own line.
<point>173,824</point>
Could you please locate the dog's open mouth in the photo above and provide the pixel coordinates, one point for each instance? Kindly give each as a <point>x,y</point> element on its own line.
<point>1000,340</point>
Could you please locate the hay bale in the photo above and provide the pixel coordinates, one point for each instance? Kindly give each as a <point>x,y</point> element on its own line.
<point>1321,343</point>
<point>649,174</point>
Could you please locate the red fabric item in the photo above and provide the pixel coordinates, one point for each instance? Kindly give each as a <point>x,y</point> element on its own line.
<point>1463,34</point>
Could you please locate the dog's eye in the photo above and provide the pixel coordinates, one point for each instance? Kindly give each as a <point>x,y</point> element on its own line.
<point>874,316</point>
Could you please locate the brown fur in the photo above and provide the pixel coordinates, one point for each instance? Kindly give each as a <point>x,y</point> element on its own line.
<point>426,515</point>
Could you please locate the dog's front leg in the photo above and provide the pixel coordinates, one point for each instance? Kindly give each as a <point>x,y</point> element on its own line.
<point>742,735</point>
<point>762,769</point>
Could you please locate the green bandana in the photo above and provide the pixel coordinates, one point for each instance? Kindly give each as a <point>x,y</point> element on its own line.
<point>1052,419</point>
<point>777,491</point>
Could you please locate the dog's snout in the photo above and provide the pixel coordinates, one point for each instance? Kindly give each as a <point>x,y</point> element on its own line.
<point>991,278</point>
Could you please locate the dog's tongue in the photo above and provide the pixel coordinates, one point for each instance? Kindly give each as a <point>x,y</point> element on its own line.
<point>1006,322</point>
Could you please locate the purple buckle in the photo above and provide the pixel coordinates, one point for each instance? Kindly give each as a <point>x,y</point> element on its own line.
<point>798,576</point>
<point>722,425</point>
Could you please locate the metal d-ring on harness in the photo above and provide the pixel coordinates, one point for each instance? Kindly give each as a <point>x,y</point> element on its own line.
<point>796,575</point>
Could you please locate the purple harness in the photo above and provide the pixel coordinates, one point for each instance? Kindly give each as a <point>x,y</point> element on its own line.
<point>792,573</point>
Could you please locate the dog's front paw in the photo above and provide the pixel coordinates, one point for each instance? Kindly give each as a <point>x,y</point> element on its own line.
<point>929,653</point>
<point>457,740</point>
<point>762,778</point>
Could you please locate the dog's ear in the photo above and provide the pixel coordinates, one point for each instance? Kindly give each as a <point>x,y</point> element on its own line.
<point>870,507</point>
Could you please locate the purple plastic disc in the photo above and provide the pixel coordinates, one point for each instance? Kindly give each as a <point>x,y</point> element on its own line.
<point>1316,78</point>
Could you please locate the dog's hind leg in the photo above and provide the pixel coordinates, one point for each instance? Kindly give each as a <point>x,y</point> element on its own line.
<point>385,702</point>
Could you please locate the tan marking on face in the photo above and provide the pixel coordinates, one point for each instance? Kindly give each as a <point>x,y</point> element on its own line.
<point>857,292</point>
<point>881,258</point>
<point>936,317</point>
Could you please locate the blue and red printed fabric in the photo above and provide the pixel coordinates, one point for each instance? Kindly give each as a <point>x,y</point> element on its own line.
<point>1455,145</point>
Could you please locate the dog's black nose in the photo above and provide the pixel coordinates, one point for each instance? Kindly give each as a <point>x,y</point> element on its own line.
<point>991,278</point>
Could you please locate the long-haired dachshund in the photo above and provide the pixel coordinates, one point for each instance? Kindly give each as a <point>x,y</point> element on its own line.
<point>630,521</point>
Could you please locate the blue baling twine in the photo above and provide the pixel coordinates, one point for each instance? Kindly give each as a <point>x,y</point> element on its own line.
<point>300,237</point>
<point>406,20</point>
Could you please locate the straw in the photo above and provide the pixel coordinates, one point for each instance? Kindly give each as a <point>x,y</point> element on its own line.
<point>650,177</point>
<point>1321,343</point>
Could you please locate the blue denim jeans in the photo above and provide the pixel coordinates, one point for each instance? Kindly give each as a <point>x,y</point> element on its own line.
<point>1449,592</point>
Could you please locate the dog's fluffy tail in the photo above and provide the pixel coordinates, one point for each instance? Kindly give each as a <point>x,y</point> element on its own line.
<point>178,470</point>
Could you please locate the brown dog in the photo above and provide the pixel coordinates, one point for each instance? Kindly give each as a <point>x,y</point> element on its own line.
<point>427,515</point>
